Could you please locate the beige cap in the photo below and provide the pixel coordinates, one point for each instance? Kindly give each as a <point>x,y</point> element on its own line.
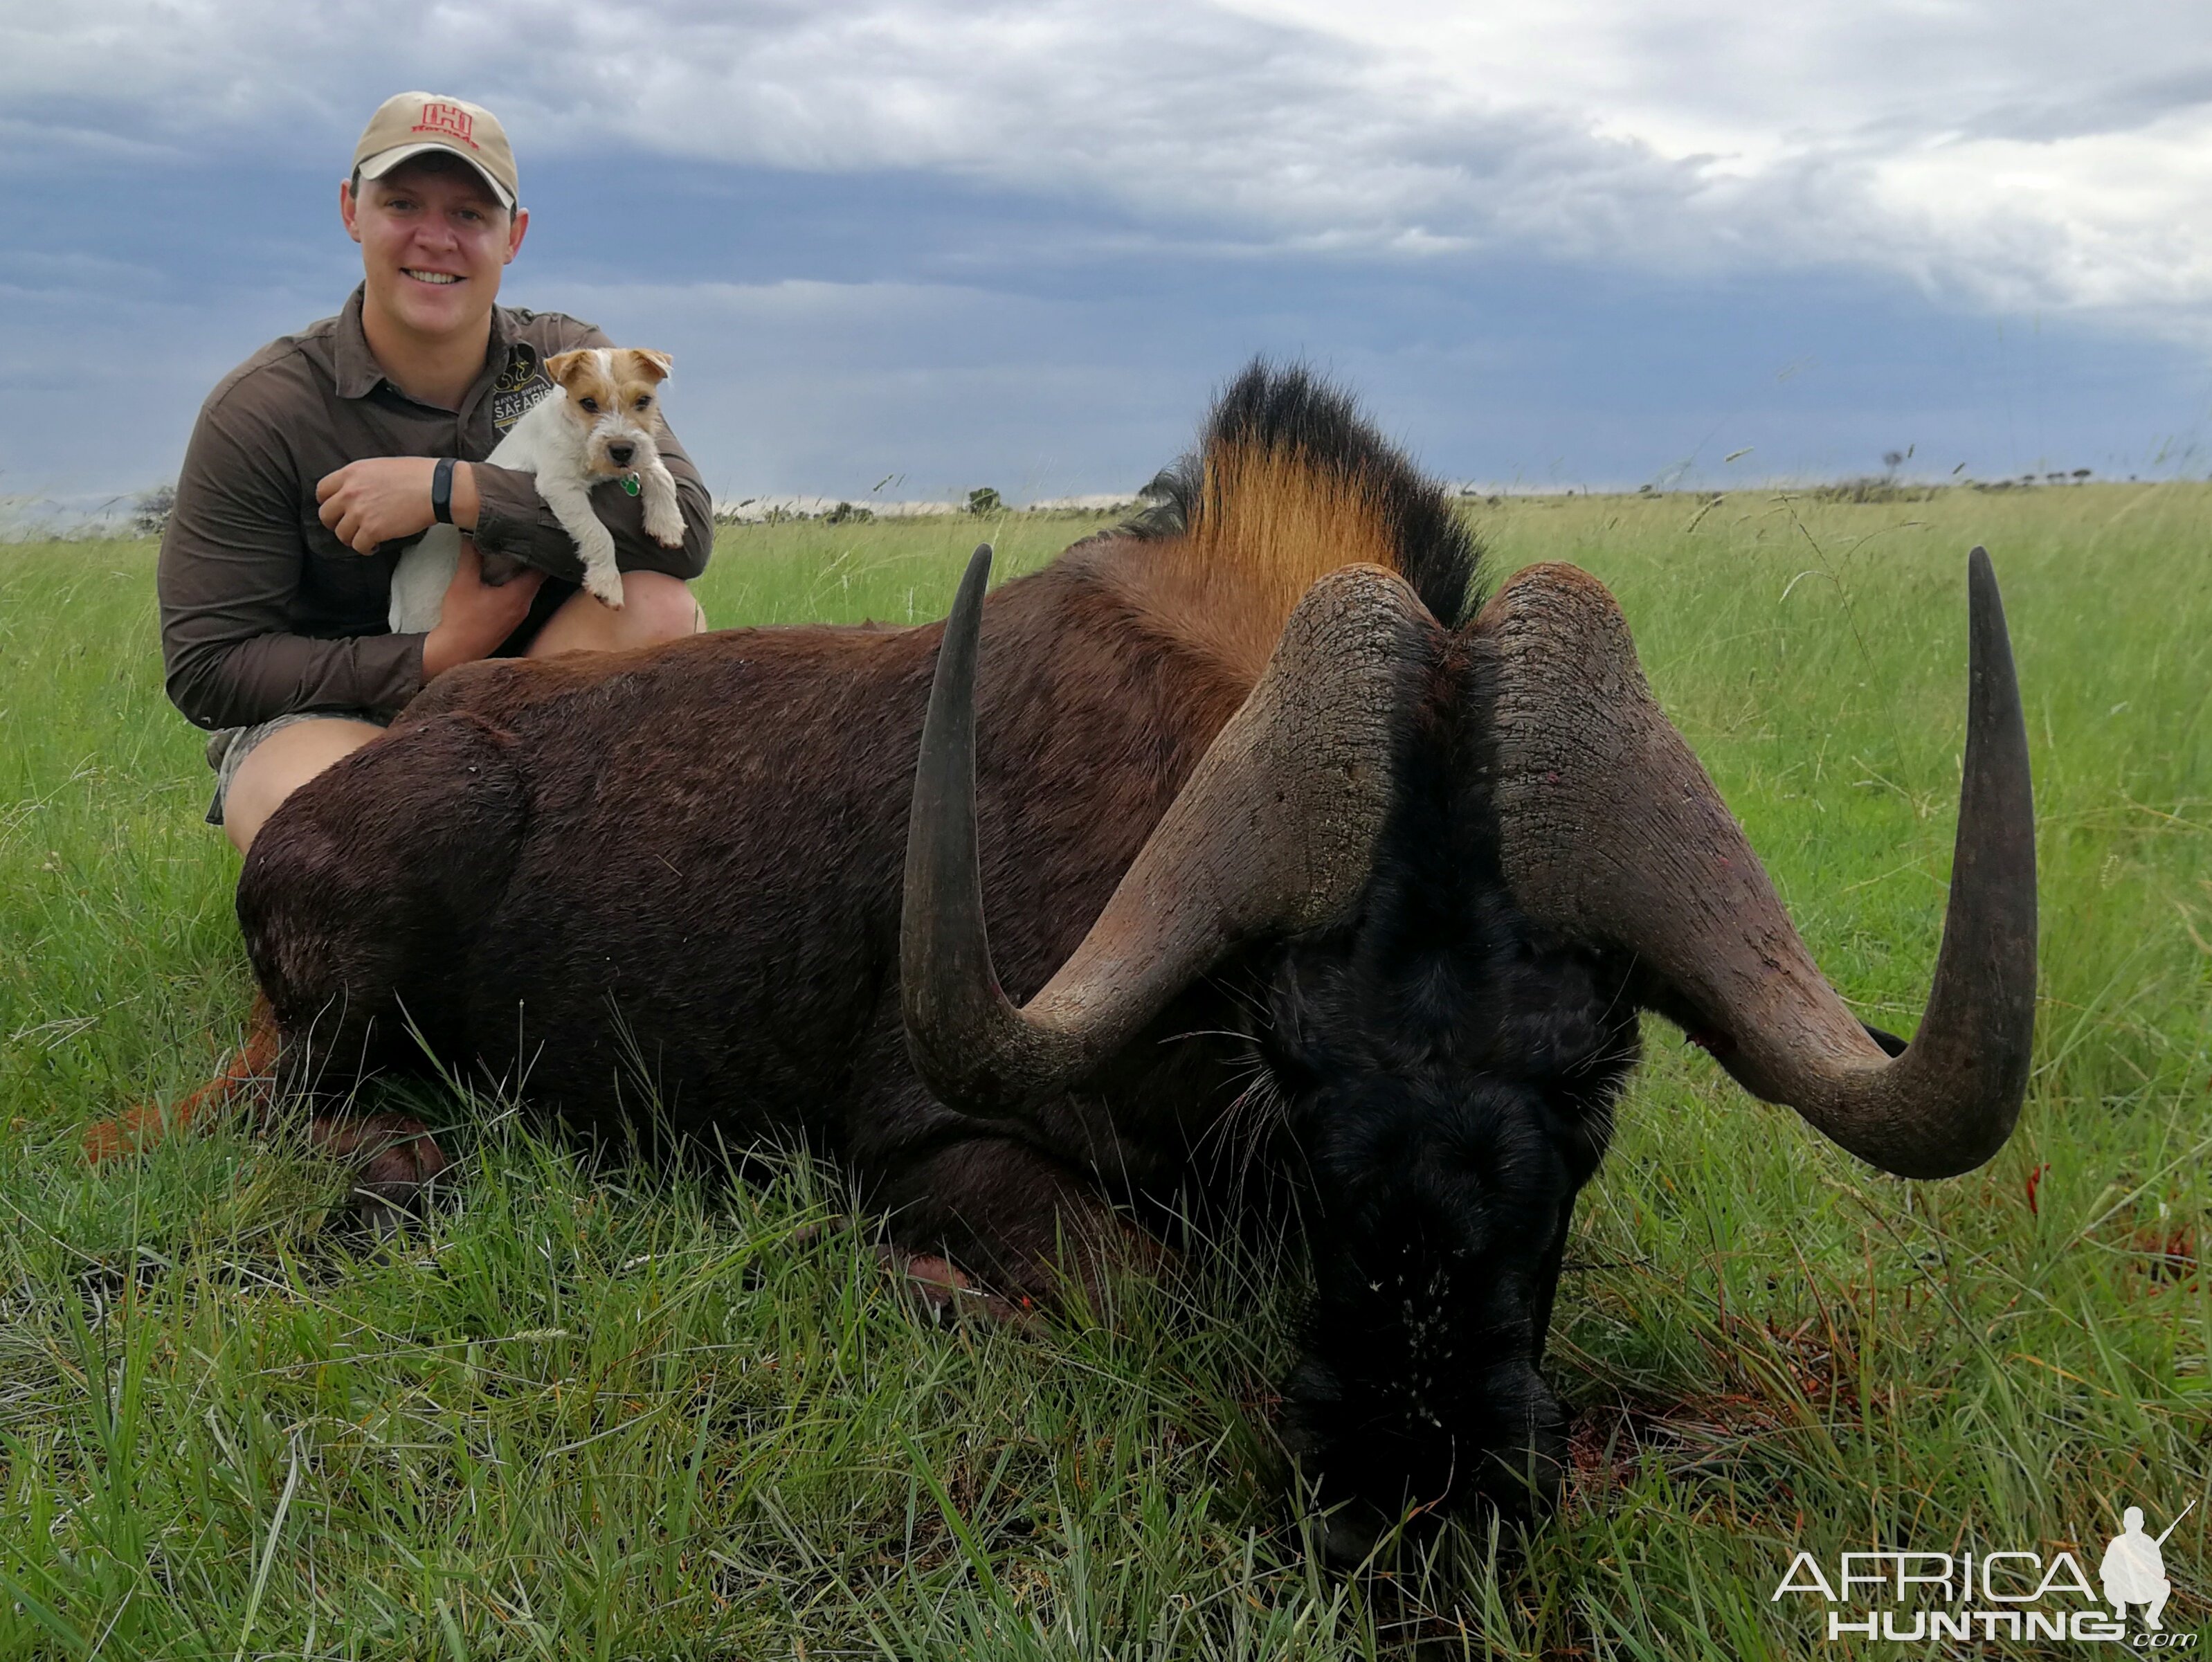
<point>411,123</point>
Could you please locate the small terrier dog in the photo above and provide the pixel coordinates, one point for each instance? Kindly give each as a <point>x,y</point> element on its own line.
<point>602,424</point>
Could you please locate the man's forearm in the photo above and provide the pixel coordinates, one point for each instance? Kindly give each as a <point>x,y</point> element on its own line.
<point>220,680</point>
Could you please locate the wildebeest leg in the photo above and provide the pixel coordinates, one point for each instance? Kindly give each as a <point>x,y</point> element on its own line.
<point>357,899</point>
<point>395,1155</point>
<point>1028,1228</point>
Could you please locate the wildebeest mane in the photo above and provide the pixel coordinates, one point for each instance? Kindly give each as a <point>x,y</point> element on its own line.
<point>1327,473</point>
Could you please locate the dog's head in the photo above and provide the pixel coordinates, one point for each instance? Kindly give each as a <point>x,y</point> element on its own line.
<point>613,394</point>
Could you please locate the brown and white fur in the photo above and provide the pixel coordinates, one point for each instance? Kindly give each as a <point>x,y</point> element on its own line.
<point>604,422</point>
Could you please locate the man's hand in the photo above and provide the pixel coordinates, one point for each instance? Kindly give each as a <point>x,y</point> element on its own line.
<point>475,617</point>
<point>386,497</point>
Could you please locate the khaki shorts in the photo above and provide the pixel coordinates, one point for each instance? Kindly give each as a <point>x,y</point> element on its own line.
<point>227,748</point>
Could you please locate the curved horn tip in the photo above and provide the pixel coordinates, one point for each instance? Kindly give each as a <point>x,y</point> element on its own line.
<point>1981,579</point>
<point>979,569</point>
<point>1581,808</point>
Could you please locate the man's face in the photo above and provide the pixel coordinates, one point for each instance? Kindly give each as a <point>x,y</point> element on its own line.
<point>434,239</point>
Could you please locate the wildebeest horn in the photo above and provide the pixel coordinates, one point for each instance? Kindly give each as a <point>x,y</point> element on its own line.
<point>1611,830</point>
<point>1273,832</point>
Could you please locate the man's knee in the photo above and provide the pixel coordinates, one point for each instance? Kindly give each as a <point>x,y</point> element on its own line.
<point>664,607</point>
<point>280,764</point>
<point>656,607</point>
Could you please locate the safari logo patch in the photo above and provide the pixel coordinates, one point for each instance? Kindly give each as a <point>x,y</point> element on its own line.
<point>520,384</point>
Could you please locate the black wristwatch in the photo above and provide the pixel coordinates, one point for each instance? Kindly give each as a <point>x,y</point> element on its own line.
<point>441,491</point>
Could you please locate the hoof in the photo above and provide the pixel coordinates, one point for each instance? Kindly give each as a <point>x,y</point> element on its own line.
<point>396,1161</point>
<point>1349,1535</point>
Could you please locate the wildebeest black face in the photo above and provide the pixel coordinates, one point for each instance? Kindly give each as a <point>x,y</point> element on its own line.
<point>1448,1071</point>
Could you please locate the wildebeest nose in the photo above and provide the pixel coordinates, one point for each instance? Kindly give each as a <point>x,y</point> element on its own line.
<point>621,453</point>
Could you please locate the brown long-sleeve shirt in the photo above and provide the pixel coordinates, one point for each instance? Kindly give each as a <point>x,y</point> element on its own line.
<point>263,609</point>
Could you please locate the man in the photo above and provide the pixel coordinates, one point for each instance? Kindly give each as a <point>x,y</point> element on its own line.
<point>2134,1571</point>
<point>318,459</point>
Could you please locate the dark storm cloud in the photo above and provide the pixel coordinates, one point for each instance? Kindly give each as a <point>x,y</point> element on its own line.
<point>1017,244</point>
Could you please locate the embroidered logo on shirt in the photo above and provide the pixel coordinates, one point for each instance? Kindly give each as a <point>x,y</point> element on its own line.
<point>520,384</point>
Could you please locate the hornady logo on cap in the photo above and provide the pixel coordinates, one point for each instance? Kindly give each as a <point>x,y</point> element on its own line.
<point>450,120</point>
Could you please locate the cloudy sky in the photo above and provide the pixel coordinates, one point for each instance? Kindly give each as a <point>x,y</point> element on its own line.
<point>1579,242</point>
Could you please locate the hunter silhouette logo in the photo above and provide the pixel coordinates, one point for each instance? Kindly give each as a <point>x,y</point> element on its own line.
<point>2134,1570</point>
<point>1911,1597</point>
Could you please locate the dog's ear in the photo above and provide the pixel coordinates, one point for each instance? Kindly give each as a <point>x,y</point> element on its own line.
<point>565,367</point>
<point>652,366</point>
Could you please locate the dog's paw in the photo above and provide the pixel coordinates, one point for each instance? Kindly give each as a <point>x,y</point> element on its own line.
<point>663,523</point>
<point>605,585</point>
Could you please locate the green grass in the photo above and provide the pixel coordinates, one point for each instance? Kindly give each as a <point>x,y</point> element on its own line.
<point>602,1414</point>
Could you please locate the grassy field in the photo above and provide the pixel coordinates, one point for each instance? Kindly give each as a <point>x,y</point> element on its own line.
<point>611,1415</point>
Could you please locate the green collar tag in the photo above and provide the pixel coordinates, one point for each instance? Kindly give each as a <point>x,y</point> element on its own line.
<point>630,484</point>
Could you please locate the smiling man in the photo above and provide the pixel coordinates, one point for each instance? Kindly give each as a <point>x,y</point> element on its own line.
<point>315,461</point>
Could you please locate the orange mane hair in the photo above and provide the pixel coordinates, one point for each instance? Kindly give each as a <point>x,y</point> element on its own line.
<point>1288,484</point>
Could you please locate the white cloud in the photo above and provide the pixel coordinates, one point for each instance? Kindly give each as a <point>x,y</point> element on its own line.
<point>1927,137</point>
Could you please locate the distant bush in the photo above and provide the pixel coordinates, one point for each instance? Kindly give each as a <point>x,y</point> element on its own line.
<point>149,514</point>
<point>984,500</point>
<point>846,514</point>
<point>1872,489</point>
<point>2028,481</point>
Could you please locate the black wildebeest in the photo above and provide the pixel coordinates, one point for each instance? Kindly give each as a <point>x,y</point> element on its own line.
<point>1254,813</point>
